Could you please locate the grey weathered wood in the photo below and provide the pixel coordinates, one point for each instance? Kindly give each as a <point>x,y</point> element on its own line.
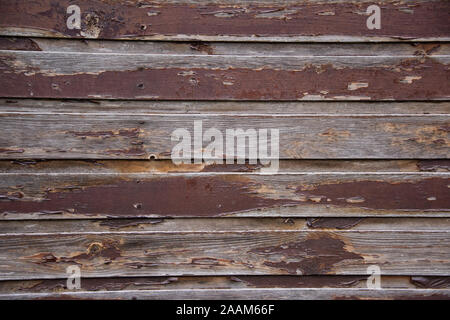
<point>263,49</point>
<point>245,294</point>
<point>167,166</point>
<point>137,107</point>
<point>225,253</point>
<point>138,136</point>
<point>49,227</point>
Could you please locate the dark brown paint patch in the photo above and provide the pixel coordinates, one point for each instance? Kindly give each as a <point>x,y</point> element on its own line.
<point>434,165</point>
<point>174,196</point>
<point>431,282</point>
<point>427,194</point>
<point>126,223</point>
<point>20,44</point>
<point>317,254</point>
<point>300,281</point>
<point>220,195</point>
<point>332,223</point>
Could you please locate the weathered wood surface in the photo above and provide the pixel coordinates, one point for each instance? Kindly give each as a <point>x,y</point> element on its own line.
<point>209,225</point>
<point>215,253</point>
<point>230,108</point>
<point>210,194</point>
<point>86,177</point>
<point>243,294</point>
<point>260,20</point>
<point>140,136</point>
<point>235,282</point>
<point>41,166</point>
<point>214,48</point>
<point>235,74</point>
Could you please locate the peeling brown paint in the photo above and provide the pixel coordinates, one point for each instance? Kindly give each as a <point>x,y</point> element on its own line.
<point>121,224</point>
<point>317,254</point>
<point>267,83</point>
<point>4,150</point>
<point>22,44</point>
<point>333,223</point>
<point>300,281</point>
<point>382,195</point>
<point>202,47</point>
<point>431,282</point>
<point>434,165</point>
<point>109,19</point>
<point>220,195</point>
<point>232,168</point>
<point>174,196</point>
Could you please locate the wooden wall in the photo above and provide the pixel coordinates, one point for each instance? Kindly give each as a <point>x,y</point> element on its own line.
<point>86,117</point>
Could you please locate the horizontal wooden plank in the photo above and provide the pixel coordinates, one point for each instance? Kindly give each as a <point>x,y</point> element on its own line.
<point>225,253</point>
<point>56,286</point>
<point>137,107</point>
<point>260,20</point>
<point>167,166</point>
<point>136,225</point>
<point>82,195</point>
<point>274,76</point>
<point>139,136</point>
<point>245,294</point>
<point>199,48</point>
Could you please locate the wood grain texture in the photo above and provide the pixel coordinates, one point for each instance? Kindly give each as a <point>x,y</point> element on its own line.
<point>57,286</point>
<point>86,118</point>
<point>41,166</point>
<point>230,108</point>
<point>242,253</point>
<point>260,76</point>
<point>136,225</point>
<point>87,195</point>
<point>260,20</point>
<point>141,136</point>
<point>243,294</point>
<point>206,48</point>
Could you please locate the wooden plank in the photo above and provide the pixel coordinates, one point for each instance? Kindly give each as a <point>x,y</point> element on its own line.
<point>201,48</point>
<point>140,136</point>
<point>88,195</point>
<point>167,166</point>
<point>136,225</point>
<point>56,286</point>
<point>138,107</point>
<point>274,76</point>
<point>225,253</point>
<point>239,20</point>
<point>243,294</point>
